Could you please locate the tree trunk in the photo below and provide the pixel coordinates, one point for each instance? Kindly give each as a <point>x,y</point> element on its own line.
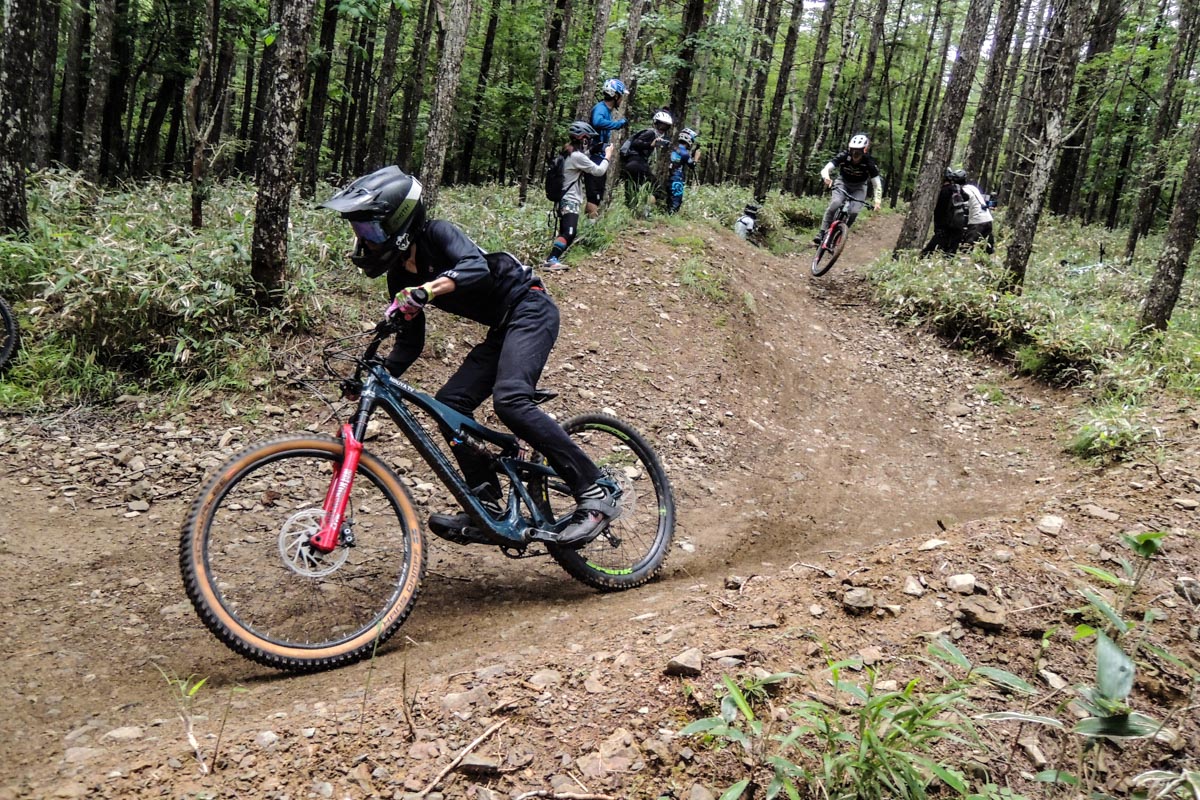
<point>1104,35</point>
<point>558,47</point>
<point>931,98</point>
<point>101,70</point>
<point>314,128</point>
<point>114,152</point>
<point>985,135</point>
<point>1055,82</point>
<point>941,144</point>
<point>266,72</point>
<point>1177,247</point>
<point>467,153</point>
<point>363,93</point>
<point>781,90</point>
<point>385,90</point>
<point>1164,124</point>
<point>45,66</point>
<point>815,155</point>
<point>681,81</point>
<point>914,106</point>
<point>526,164</point>
<point>204,102</point>
<point>247,102</point>
<point>445,93</point>
<point>71,97</point>
<point>591,67</point>
<point>1006,94</point>
<point>16,51</point>
<point>800,142</point>
<point>275,179</point>
<point>1025,113</point>
<point>864,86</point>
<point>633,27</point>
<point>762,67</point>
<point>414,86</point>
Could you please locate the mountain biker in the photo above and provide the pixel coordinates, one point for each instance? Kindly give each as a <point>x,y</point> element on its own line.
<point>576,170</point>
<point>947,233</point>
<point>979,222</point>
<point>432,262</point>
<point>602,121</point>
<point>635,161</point>
<point>683,158</point>
<point>855,168</point>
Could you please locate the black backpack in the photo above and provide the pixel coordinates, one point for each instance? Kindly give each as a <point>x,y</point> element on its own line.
<point>960,210</point>
<point>555,174</point>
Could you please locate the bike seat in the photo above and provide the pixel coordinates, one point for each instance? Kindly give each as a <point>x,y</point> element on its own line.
<point>542,395</point>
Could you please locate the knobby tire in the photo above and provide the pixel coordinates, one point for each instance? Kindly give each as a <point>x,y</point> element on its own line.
<point>641,534</point>
<point>10,334</point>
<point>830,249</point>
<point>266,597</point>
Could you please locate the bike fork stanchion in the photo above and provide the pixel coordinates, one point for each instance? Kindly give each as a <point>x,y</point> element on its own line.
<point>339,494</point>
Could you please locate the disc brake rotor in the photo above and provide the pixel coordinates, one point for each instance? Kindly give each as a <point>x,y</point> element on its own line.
<point>298,555</point>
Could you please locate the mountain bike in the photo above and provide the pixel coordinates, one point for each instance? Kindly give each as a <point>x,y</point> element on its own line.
<point>305,553</point>
<point>834,241</point>
<point>10,334</point>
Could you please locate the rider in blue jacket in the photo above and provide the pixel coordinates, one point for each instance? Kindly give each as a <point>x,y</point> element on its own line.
<point>602,120</point>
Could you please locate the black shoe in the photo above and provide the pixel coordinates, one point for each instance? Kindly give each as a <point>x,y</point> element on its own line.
<point>597,506</point>
<point>462,520</point>
<point>817,239</point>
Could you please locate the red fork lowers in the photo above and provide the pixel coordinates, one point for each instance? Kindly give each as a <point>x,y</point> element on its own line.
<point>338,495</point>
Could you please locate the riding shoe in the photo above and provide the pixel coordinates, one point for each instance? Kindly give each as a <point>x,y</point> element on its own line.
<point>596,507</point>
<point>456,522</point>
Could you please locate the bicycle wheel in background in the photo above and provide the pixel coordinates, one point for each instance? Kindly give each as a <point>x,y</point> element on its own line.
<point>10,334</point>
<point>830,248</point>
<point>634,547</point>
<point>257,584</point>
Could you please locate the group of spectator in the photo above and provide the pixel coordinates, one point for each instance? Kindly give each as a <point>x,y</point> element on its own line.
<point>588,154</point>
<point>962,216</point>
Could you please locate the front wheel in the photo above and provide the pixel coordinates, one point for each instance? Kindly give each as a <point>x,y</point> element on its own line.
<point>634,547</point>
<point>10,335</point>
<point>830,249</point>
<point>265,592</point>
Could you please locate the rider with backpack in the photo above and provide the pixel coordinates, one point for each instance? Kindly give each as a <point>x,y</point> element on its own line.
<point>979,218</point>
<point>575,166</point>
<point>433,263</point>
<point>855,169</point>
<point>636,153</point>
<point>950,215</point>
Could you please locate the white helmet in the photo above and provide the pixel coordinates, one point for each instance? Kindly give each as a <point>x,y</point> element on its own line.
<point>859,141</point>
<point>663,117</point>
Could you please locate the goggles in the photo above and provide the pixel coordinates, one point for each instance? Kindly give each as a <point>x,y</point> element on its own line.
<point>369,231</point>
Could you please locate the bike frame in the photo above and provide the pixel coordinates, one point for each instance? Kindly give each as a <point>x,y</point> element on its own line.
<point>842,217</point>
<point>380,389</point>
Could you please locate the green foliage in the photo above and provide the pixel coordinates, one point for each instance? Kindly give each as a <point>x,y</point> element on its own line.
<point>128,293</point>
<point>864,741</point>
<point>1075,324</point>
<point>698,276</point>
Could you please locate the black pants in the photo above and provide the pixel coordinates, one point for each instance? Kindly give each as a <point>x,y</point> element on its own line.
<point>982,232</point>
<point>637,175</point>
<point>944,241</point>
<point>507,365</point>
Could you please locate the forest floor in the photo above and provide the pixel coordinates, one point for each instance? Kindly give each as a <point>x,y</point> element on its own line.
<point>813,447</point>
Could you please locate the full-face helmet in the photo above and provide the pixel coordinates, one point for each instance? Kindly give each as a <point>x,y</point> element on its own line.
<point>385,210</point>
<point>613,89</point>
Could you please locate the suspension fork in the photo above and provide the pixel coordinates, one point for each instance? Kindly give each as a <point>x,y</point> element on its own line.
<point>338,494</point>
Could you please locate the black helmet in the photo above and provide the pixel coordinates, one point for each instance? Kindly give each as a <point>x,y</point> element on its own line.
<point>384,209</point>
<point>959,176</point>
<point>581,130</point>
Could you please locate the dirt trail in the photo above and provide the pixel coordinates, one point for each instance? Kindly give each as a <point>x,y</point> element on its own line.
<point>806,424</point>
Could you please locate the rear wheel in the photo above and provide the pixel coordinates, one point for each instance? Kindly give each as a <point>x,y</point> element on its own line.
<point>265,592</point>
<point>634,547</point>
<point>10,335</point>
<point>830,248</point>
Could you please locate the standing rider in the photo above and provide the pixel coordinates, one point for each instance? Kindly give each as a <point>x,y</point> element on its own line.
<point>635,160</point>
<point>578,169</point>
<point>855,168</point>
<point>602,120</point>
<point>432,262</point>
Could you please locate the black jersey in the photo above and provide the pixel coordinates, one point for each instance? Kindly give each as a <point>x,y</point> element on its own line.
<point>486,286</point>
<point>852,173</point>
